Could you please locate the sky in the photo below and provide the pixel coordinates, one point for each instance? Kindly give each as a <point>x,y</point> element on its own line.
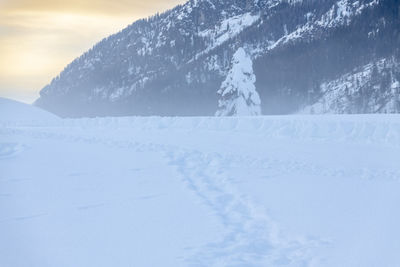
<point>38,38</point>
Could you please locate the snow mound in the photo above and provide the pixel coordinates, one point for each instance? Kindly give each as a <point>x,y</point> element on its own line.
<point>8,150</point>
<point>362,129</point>
<point>16,112</point>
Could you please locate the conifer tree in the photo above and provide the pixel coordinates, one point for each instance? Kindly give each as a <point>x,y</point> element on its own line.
<point>238,95</point>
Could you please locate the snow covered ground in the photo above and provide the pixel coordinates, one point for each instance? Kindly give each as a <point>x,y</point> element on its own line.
<point>265,191</point>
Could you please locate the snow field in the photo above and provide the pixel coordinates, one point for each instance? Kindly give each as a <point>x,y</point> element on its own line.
<point>264,191</point>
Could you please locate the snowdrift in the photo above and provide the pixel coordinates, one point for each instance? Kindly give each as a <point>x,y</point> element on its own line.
<point>371,128</point>
<point>380,129</point>
<point>16,112</point>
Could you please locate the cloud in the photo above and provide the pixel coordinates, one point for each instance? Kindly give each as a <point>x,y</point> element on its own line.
<point>116,7</point>
<point>38,38</point>
<point>35,47</point>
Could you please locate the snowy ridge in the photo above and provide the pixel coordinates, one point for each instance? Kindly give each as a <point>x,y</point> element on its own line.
<point>355,128</point>
<point>14,112</point>
<point>383,130</point>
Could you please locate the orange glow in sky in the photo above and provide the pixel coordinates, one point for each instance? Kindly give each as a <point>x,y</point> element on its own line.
<point>38,38</point>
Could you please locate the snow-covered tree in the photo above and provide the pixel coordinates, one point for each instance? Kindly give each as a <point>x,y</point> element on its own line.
<point>238,92</point>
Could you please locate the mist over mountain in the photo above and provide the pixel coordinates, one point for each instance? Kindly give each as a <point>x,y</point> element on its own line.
<point>308,56</point>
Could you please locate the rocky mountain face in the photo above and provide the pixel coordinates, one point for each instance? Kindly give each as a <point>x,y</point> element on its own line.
<point>309,56</point>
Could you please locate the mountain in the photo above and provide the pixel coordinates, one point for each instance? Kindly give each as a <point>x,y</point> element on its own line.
<point>308,56</point>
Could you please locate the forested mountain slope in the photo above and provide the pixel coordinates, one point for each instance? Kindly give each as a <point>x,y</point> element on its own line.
<point>308,56</point>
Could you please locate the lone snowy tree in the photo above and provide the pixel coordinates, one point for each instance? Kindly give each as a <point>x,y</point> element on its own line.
<point>238,92</point>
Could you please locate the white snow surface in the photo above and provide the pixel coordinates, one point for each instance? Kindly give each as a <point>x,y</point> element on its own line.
<point>250,191</point>
<point>13,111</point>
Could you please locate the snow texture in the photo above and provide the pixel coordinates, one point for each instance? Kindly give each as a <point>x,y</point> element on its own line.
<point>238,92</point>
<point>12,111</point>
<point>149,191</point>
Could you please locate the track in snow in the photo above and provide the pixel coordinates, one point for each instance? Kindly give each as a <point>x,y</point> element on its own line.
<point>251,238</point>
<point>242,175</point>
